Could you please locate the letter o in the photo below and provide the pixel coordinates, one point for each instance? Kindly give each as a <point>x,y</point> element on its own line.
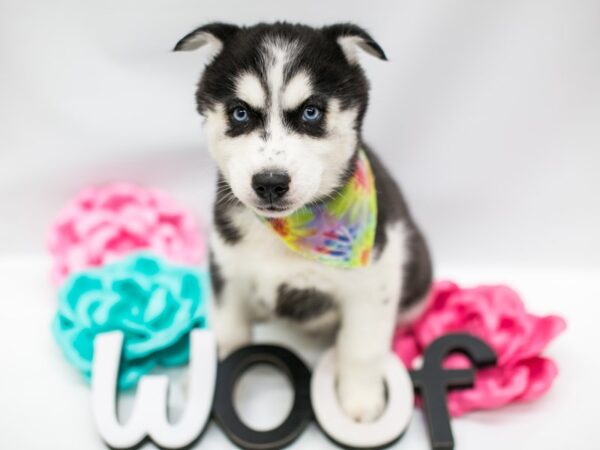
<point>224,411</point>
<point>342,429</point>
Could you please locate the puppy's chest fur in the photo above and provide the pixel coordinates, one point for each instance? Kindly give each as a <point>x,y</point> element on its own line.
<point>275,281</point>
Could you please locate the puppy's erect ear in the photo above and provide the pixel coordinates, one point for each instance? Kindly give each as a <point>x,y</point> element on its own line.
<point>214,34</point>
<point>351,37</point>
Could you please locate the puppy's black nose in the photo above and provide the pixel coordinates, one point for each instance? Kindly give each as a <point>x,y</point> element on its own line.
<point>271,185</point>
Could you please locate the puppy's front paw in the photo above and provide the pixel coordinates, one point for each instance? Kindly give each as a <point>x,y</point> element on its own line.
<point>362,400</point>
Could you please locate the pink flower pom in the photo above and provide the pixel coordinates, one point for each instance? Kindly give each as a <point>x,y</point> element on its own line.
<point>497,315</point>
<point>102,224</point>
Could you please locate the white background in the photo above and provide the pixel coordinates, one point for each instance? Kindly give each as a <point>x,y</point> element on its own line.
<point>488,113</point>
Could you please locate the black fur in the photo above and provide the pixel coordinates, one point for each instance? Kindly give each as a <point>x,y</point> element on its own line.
<point>302,304</point>
<point>216,277</point>
<point>417,271</point>
<point>225,202</point>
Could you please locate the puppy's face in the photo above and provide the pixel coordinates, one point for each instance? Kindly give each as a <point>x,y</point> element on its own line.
<point>283,107</point>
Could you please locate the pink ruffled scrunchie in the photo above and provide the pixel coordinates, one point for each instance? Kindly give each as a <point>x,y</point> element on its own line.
<point>102,224</point>
<point>497,315</point>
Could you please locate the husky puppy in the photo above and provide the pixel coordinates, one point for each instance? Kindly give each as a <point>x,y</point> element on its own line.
<point>283,107</point>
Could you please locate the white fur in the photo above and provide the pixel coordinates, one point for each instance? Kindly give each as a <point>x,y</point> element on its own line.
<point>297,90</point>
<point>249,89</point>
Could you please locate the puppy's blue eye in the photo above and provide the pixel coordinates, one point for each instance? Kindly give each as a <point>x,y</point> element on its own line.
<point>311,114</point>
<point>240,114</point>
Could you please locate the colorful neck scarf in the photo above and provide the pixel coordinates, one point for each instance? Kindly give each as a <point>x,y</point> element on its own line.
<point>339,232</point>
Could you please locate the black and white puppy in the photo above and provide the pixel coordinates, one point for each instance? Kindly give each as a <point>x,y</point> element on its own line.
<point>289,100</point>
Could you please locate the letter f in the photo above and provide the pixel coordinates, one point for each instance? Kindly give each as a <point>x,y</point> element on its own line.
<point>432,381</point>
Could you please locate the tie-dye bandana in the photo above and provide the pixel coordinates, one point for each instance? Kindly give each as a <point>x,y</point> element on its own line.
<point>339,232</point>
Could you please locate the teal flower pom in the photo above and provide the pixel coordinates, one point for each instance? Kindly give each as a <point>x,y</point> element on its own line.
<point>155,304</point>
